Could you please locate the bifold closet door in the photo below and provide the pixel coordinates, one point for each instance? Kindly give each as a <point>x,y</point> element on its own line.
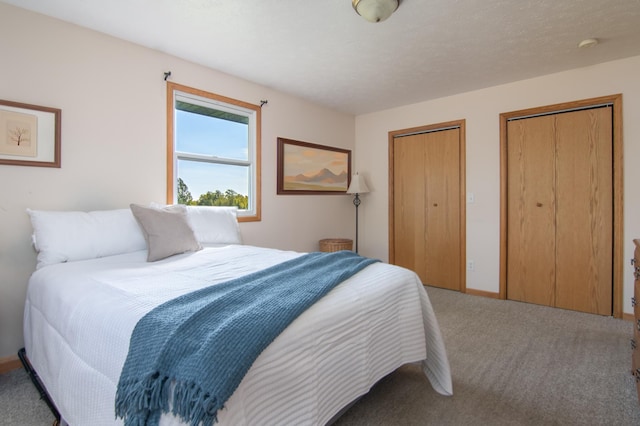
<point>560,210</point>
<point>427,206</point>
<point>531,232</point>
<point>584,217</point>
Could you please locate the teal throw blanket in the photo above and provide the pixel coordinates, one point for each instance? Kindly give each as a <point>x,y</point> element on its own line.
<point>189,354</point>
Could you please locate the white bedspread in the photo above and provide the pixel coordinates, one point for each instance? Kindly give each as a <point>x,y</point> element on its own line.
<point>79,317</point>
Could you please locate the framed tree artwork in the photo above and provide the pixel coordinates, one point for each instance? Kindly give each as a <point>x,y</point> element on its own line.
<point>29,135</point>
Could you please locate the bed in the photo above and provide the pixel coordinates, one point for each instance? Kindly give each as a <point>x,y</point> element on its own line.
<point>94,282</point>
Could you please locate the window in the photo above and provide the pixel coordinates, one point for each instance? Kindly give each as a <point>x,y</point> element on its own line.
<point>213,151</point>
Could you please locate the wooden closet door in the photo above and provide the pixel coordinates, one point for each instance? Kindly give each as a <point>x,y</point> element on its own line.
<point>584,190</point>
<point>409,205</point>
<point>531,248</point>
<point>427,206</point>
<point>560,210</point>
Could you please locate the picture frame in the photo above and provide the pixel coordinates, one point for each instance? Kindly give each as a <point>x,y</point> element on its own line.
<point>307,168</point>
<point>29,135</point>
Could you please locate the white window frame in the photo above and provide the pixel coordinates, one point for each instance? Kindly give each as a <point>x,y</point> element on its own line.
<point>252,112</point>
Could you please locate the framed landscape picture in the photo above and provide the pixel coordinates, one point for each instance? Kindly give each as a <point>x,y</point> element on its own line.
<point>29,135</point>
<point>307,168</point>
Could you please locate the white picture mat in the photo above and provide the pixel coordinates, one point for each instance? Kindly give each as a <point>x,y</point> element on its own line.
<point>46,131</point>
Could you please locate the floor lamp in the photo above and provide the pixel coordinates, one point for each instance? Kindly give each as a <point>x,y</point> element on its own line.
<point>358,186</point>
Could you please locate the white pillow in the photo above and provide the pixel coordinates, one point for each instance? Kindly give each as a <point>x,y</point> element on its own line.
<point>213,224</point>
<point>66,236</point>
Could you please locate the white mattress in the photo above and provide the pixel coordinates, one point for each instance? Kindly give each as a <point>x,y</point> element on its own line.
<point>79,317</point>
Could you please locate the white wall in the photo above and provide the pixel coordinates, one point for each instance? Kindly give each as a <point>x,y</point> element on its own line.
<point>481,110</point>
<point>112,96</point>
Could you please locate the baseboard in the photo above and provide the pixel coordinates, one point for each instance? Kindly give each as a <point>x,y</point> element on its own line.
<point>9,363</point>
<point>482,293</point>
<point>473,292</point>
<point>628,317</point>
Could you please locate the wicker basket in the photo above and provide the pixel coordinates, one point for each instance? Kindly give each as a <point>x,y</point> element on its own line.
<point>336,244</point>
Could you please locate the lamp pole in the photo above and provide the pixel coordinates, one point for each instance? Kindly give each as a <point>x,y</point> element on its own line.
<point>356,202</point>
<point>357,186</point>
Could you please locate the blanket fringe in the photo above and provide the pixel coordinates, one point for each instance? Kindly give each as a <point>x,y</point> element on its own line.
<point>140,403</point>
<point>190,402</point>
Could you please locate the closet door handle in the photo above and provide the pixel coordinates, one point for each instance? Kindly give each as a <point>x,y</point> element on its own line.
<point>539,204</point>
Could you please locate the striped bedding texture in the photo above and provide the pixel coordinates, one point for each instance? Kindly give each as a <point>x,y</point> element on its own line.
<point>79,317</point>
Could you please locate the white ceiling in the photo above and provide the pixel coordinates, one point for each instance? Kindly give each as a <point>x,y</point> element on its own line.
<point>324,52</point>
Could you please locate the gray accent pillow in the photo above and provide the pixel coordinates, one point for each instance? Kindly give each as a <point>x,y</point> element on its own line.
<point>166,230</point>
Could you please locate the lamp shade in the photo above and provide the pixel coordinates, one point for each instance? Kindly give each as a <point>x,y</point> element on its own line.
<point>375,10</point>
<point>358,185</point>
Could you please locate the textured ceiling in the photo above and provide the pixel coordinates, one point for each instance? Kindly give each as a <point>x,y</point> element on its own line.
<point>324,52</point>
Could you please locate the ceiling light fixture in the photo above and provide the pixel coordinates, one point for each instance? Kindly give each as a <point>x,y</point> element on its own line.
<point>590,42</point>
<point>375,10</point>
